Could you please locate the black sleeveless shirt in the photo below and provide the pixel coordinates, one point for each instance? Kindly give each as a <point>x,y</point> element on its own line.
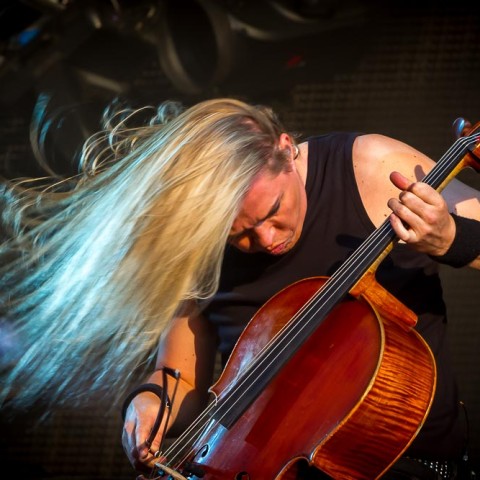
<point>335,225</point>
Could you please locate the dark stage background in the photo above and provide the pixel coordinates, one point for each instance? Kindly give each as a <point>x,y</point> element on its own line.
<point>402,69</point>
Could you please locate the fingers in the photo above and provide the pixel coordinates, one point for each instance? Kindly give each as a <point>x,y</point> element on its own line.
<point>399,180</point>
<point>155,445</point>
<point>416,193</point>
<point>138,454</point>
<point>413,217</point>
<point>413,210</point>
<point>130,445</point>
<point>143,450</point>
<point>139,420</point>
<point>420,216</point>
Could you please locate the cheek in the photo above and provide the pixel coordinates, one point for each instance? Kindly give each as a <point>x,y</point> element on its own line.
<point>288,222</point>
<point>297,212</point>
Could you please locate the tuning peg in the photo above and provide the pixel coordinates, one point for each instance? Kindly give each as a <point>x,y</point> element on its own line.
<point>460,126</point>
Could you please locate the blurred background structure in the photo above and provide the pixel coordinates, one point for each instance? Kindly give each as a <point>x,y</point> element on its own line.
<point>404,69</point>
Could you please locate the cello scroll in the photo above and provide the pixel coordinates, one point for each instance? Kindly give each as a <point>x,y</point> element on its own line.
<point>461,127</point>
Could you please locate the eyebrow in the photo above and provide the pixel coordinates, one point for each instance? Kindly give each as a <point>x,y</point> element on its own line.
<point>272,211</point>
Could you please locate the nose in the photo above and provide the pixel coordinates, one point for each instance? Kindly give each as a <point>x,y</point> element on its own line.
<point>264,235</point>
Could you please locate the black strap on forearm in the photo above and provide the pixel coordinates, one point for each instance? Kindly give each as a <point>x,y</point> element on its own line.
<point>466,244</point>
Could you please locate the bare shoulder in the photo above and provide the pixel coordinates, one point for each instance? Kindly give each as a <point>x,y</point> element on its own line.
<point>375,157</point>
<point>374,151</point>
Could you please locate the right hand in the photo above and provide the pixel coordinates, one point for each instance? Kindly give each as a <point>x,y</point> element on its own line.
<point>139,420</point>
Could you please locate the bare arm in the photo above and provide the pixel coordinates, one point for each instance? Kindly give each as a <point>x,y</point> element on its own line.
<point>187,345</point>
<point>389,175</point>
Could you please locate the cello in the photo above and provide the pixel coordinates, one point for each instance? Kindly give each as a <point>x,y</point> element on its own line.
<point>370,376</point>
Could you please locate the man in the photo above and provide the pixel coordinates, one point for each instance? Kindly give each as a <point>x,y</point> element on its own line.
<point>306,220</point>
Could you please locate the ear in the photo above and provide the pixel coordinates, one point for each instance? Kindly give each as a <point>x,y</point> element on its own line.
<point>285,141</point>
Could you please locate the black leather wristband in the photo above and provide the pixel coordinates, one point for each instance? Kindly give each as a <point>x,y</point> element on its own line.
<point>466,244</point>
<point>146,387</point>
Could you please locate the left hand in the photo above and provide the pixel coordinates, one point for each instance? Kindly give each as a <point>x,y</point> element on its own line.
<point>420,216</point>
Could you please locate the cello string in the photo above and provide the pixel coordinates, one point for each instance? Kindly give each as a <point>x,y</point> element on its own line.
<point>465,143</point>
<point>380,233</point>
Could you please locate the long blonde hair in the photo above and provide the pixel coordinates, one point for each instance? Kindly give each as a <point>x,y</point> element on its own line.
<point>97,265</point>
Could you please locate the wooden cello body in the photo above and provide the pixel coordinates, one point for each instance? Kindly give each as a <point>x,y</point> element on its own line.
<point>349,401</point>
<point>328,373</point>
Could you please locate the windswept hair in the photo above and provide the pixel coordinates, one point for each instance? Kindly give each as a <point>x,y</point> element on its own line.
<point>96,265</point>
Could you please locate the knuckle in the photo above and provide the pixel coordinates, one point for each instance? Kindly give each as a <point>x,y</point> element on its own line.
<point>407,197</point>
<point>401,209</point>
<point>403,196</point>
<point>418,187</point>
<point>429,218</point>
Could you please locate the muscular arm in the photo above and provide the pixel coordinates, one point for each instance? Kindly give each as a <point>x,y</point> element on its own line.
<point>187,345</point>
<point>389,174</point>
